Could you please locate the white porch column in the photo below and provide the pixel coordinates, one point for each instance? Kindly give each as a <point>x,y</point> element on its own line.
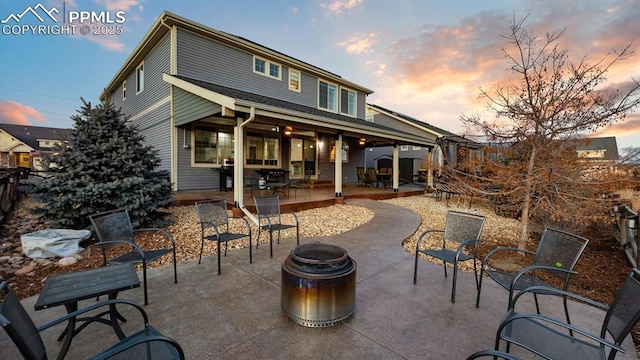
<point>396,167</point>
<point>338,166</point>
<point>238,164</point>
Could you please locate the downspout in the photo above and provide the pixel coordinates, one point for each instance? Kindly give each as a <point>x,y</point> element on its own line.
<point>172,120</point>
<point>238,192</point>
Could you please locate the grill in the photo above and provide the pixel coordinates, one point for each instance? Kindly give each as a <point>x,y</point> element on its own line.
<point>318,287</point>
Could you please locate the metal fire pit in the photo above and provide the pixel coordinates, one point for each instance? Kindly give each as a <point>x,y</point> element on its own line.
<point>318,286</point>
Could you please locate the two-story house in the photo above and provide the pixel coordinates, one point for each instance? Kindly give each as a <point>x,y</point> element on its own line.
<point>23,145</point>
<point>208,100</point>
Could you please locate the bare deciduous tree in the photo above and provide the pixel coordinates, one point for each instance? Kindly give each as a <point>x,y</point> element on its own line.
<point>538,118</point>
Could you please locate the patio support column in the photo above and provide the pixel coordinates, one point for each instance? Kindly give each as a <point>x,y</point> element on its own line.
<point>338,165</point>
<point>396,167</point>
<point>238,156</point>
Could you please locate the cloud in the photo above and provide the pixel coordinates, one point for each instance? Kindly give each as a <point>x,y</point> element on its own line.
<point>336,6</point>
<point>120,5</point>
<point>15,113</point>
<point>439,65</point>
<point>294,10</point>
<point>360,45</point>
<point>107,42</point>
<point>629,126</point>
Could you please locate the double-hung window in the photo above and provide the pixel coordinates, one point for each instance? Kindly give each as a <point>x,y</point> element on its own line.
<point>140,78</point>
<point>124,89</point>
<point>266,67</point>
<point>294,80</point>
<point>347,102</point>
<point>211,147</point>
<point>327,96</point>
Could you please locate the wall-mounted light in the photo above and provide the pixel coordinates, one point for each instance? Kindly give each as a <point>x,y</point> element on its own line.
<point>632,222</point>
<point>362,141</point>
<point>288,130</point>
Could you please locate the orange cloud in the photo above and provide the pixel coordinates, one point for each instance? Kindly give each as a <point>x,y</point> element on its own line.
<point>629,126</point>
<point>15,113</point>
<point>337,6</point>
<point>360,45</point>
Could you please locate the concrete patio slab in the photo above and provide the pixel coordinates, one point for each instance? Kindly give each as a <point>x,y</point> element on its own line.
<point>237,315</point>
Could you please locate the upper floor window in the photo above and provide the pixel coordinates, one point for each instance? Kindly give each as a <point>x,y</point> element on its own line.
<point>327,96</point>
<point>124,89</point>
<point>348,102</point>
<point>404,147</point>
<point>416,147</point>
<point>294,80</point>
<point>266,68</point>
<point>140,78</point>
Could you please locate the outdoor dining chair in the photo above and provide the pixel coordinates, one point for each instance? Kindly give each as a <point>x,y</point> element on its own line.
<point>303,184</point>
<point>147,343</point>
<point>363,179</point>
<point>114,228</point>
<point>214,226</point>
<point>557,254</point>
<point>548,337</point>
<point>462,230</point>
<point>270,219</point>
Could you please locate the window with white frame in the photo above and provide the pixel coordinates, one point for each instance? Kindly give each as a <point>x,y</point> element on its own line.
<point>327,96</point>
<point>124,89</point>
<point>347,102</point>
<point>416,147</point>
<point>140,78</point>
<point>262,149</point>
<point>294,80</point>
<point>267,68</point>
<point>211,146</point>
<point>404,147</point>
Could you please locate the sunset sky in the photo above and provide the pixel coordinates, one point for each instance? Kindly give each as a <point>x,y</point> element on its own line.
<point>427,59</point>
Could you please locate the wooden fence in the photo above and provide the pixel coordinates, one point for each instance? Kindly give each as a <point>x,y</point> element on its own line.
<point>9,189</point>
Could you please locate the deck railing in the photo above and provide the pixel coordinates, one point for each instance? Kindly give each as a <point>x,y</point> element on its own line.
<point>627,226</point>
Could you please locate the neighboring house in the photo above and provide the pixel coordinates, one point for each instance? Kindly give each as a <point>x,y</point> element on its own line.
<point>599,151</point>
<point>442,147</point>
<point>22,145</point>
<point>208,101</point>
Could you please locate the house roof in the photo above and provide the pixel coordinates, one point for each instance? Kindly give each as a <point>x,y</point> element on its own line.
<point>167,19</point>
<point>608,144</point>
<point>433,129</point>
<point>30,135</point>
<point>330,120</point>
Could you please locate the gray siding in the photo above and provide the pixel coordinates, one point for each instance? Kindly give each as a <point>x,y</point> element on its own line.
<point>156,63</point>
<point>155,126</point>
<point>189,107</point>
<point>193,178</point>
<point>210,61</point>
<point>399,125</point>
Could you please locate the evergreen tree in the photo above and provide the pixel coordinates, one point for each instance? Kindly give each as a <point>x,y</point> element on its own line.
<point>102,165</point>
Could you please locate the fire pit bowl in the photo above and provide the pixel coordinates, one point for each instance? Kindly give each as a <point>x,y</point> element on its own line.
<point>318,287</point>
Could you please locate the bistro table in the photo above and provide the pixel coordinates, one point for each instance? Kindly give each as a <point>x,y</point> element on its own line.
<point>68,289</point>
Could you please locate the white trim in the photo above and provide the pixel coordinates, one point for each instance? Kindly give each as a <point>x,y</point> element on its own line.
<point>267,67</point>
<point>337,109</point>
<point>355,99</point>
<point>299,80</point>
<point>404,147</point>
<point>139,74</point>
<point>124,89</point>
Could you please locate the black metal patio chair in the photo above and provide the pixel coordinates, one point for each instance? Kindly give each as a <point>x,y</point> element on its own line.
<point>214,220</point>
<point>494,354</point>
<point>147,343</point>
<point>114,228</point>
<point>303,184</point>
<point>270,219</point>
<point>557,254</point>
<point>461,229</point>
<point>548,337</point>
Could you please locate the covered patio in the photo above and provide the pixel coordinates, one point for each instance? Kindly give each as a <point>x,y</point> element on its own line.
<point>237,315</point>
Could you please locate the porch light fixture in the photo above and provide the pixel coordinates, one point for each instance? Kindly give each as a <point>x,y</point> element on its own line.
<point>362,141</point>
<point>288,130</point>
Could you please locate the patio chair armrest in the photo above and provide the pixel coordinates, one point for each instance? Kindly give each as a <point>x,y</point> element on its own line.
<point>559,292</point>
<point>500,249</point>
<point>295,217</point>
<point>246,222</point>
<point>140,340</point>
<point>163,231</point>
<point>94,307</point>
<point>425,233</point>
<point>513,316</point>
<point>204,224</point>
<point>465,244</point>
<point>132,244</point>
<point>527,269</point>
